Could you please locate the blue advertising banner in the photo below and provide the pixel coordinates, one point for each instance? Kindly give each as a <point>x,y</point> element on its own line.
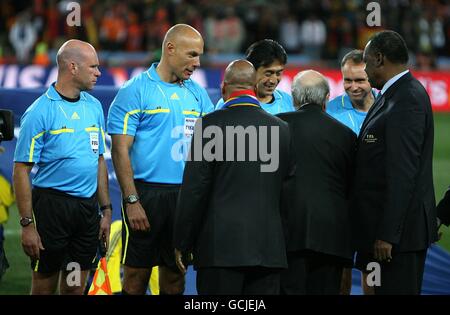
<point>33,76</point>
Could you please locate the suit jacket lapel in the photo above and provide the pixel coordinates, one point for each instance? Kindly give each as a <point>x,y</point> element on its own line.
<point>382,100</point>
<point>372,111</point>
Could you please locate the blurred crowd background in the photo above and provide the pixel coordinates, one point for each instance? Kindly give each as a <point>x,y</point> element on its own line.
<point>129,33</point>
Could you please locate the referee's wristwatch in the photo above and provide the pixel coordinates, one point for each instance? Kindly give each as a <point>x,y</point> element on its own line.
<point>131,199</point>
<point>26,221</point>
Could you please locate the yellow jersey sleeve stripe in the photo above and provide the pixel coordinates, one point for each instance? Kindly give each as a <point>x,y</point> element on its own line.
<point>147,111</point>
<point>89,129</point>
<point>59,131</point>
<point>127,234</point>
<point>33,140</point>
<point>191,112</point>
<point>157,111</point>
<point>103,137</point>
<point>125,120</point>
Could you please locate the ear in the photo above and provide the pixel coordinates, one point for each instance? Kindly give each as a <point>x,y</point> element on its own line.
<point>223,90</point>
<point>379,59</point>
<point>170,48</point>
<point>73,68</point>
<point>324,105</point>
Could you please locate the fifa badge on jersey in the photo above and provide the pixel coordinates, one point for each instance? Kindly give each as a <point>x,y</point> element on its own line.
<point>94,141</point>
<point>189,124</point>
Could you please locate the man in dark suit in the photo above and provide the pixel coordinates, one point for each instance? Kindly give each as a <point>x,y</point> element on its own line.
<point>229,205</point>
<point>393,212</point>
<point>318,224</point>
<point>443,210</point>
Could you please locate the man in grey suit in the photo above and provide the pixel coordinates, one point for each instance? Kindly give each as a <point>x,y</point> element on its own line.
<point>318,226</point>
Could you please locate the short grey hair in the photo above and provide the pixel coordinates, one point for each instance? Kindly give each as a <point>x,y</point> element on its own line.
<point>356,56</point>
<point>313,92</point>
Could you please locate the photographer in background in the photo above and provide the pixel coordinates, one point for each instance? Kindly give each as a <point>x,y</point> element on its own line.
<point>6,194</point>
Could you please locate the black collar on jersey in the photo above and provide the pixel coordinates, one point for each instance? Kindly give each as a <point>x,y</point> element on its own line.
<point>72,100</point>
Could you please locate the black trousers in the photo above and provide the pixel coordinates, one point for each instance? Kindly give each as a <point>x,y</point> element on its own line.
<point>402,275</point>
<point>312,273</point>
<point>238,281</point>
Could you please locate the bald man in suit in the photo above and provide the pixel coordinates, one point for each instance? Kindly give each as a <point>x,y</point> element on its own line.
<point>228,211</point>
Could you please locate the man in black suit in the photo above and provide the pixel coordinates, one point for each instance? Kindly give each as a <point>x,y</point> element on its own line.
<point>443,210</point>
<point>393,212</point>
<point>228,211</point>
<point>318,222</point>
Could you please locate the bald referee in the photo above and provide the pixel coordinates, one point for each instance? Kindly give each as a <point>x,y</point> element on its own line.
<point>62,133</point>
<point>151,121</point>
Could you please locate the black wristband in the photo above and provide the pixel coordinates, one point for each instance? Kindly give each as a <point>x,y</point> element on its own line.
<point>103,208</point>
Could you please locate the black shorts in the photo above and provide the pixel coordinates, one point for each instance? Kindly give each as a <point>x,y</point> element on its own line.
<point>151,248</point>
<point>68,227</point>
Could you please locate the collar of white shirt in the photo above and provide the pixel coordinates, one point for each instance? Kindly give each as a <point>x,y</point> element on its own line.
<point>392,80</point>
